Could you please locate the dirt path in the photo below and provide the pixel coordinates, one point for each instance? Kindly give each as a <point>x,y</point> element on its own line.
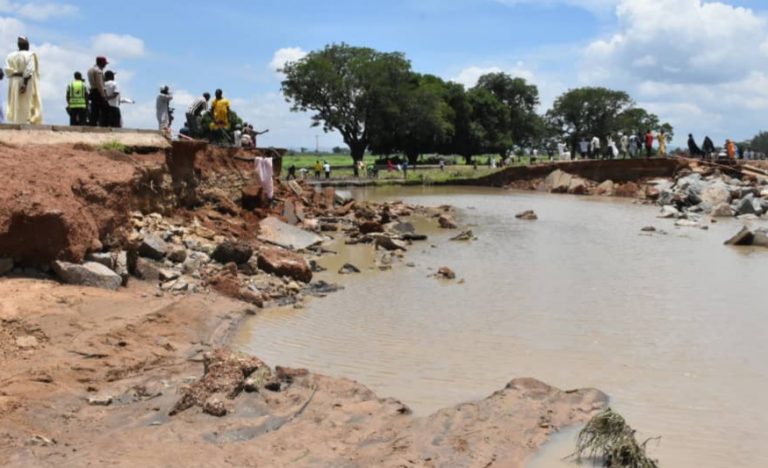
<point>89,377</point>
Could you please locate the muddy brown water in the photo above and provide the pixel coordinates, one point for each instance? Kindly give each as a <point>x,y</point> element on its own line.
<point>673,327</point>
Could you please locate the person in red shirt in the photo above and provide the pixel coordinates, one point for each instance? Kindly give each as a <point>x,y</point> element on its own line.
<point>648,143</point>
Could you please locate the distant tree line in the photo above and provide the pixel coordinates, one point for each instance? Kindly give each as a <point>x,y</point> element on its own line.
<point>378,103</point>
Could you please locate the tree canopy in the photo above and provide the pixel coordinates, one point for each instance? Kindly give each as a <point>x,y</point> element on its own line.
<point>377,102</point>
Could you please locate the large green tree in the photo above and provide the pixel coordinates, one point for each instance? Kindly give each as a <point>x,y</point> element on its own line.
<point>760,142</point>
<point>521,100</point>
<point>421,119</point>
<point>352,90</point>
<point>586,112</point>
<point>637,121</point>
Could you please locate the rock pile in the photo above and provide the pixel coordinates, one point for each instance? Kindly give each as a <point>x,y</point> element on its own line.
<point>693,195</point>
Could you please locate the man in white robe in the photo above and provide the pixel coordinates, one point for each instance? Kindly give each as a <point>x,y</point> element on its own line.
<point>22,69</point>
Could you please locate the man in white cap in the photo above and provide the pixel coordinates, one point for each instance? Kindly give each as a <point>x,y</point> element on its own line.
<point>22,68</point>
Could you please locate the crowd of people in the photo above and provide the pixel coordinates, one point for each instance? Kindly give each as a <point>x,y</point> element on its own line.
<point>95,100</point>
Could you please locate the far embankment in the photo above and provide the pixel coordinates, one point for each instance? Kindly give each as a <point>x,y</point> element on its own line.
<point>617,170</point>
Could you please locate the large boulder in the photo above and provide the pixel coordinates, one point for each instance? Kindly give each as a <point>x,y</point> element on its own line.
<point>578,186</point>
<point>716,194</point>
<point>627,190</point>
<point>722,210</point>
<point>446,222</point>
<point>743,237</point>
<point>558,182</point>
<point>153,247</point>
<point>229,251</point>
<point>749,205</point>
<point>88,274</point>
<point>283,262</point>
<point>605,189</point>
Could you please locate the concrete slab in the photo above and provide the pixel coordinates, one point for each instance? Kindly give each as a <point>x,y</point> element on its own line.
<point>284,235</point>
<point>52,135</point>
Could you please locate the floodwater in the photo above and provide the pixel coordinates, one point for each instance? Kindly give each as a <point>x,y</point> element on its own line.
<point>673,327</point>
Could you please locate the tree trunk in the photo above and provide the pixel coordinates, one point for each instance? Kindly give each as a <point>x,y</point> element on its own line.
<point>358,151</point>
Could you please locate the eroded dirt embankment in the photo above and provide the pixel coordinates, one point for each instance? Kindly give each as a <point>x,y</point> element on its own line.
<point>139,376</point>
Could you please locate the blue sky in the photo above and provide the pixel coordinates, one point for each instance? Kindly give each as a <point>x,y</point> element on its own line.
<point>701,65</point>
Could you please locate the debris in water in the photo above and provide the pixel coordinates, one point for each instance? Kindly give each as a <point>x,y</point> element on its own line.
<point>609,438</point>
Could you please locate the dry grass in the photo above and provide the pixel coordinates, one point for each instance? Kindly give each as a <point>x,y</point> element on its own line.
<point>608,438</point>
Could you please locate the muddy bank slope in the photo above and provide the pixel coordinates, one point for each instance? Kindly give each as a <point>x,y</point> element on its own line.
<point>91,377</point>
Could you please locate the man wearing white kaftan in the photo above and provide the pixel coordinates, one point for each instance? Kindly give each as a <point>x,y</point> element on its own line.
<point>22,70</point>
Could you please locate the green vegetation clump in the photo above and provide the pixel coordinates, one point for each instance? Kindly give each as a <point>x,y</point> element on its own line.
<point>609,438</point>
<point>115,146</point>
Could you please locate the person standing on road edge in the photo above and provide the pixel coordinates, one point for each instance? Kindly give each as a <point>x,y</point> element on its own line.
<point>327,169</point>
<point>77,101</point>
<point>97,95</point>
<point>318,169</point>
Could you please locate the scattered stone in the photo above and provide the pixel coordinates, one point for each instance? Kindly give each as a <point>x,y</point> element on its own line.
<point>722,210</point>
<point>446,222</point>
<point>88,274</point>
<point>214,407</point>
<point>121,266</point>
<point>282,262</point>
<point>6,266</point>
<point>414,237</point>
<point>445,273</point>
<point>388,243</point>
<point>528,215</point>
<point>178,255</point>
<point>686,223</point>
<point>276,232</point>
<point>295,188</point>
<point>147,270</point>
<point>348,269</point>
<point>316,267</point>
<point>100,400</point>
<point>648,229</point>
<point>104,258</point>
<point>229,251</point>
<point>743,237</point>
<point>749,205</point>
<point>464,236</point>
<point>27,342</point>
<point>167,274</point>
<point>369,227</point>
<point>668,212</point>
<point>404,228</point>
<point>153,247</point>
<point>224,373</point>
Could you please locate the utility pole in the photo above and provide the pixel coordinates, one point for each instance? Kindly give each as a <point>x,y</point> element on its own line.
<point>317,144</point>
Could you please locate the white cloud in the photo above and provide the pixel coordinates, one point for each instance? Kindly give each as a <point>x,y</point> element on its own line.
<point>117,45</point>
<point>470,75</point>
<point>285,55</point>
<point>38,11</point>
<point>699,65</point>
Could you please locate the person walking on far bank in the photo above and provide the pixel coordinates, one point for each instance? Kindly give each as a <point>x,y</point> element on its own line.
<point>97,95</point>
<point>648,143</point>
<point>662,143</point>
<point>634,146</point>
<point>77,101</point>
<point>624,145</point>
<point>25,105</point>
<point>327,169</point>
<point>594,147</point>
<point>583,148</point>
<point>405,169</point>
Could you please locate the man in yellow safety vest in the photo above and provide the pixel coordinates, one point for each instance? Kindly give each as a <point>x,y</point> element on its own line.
<point>77,101</point>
